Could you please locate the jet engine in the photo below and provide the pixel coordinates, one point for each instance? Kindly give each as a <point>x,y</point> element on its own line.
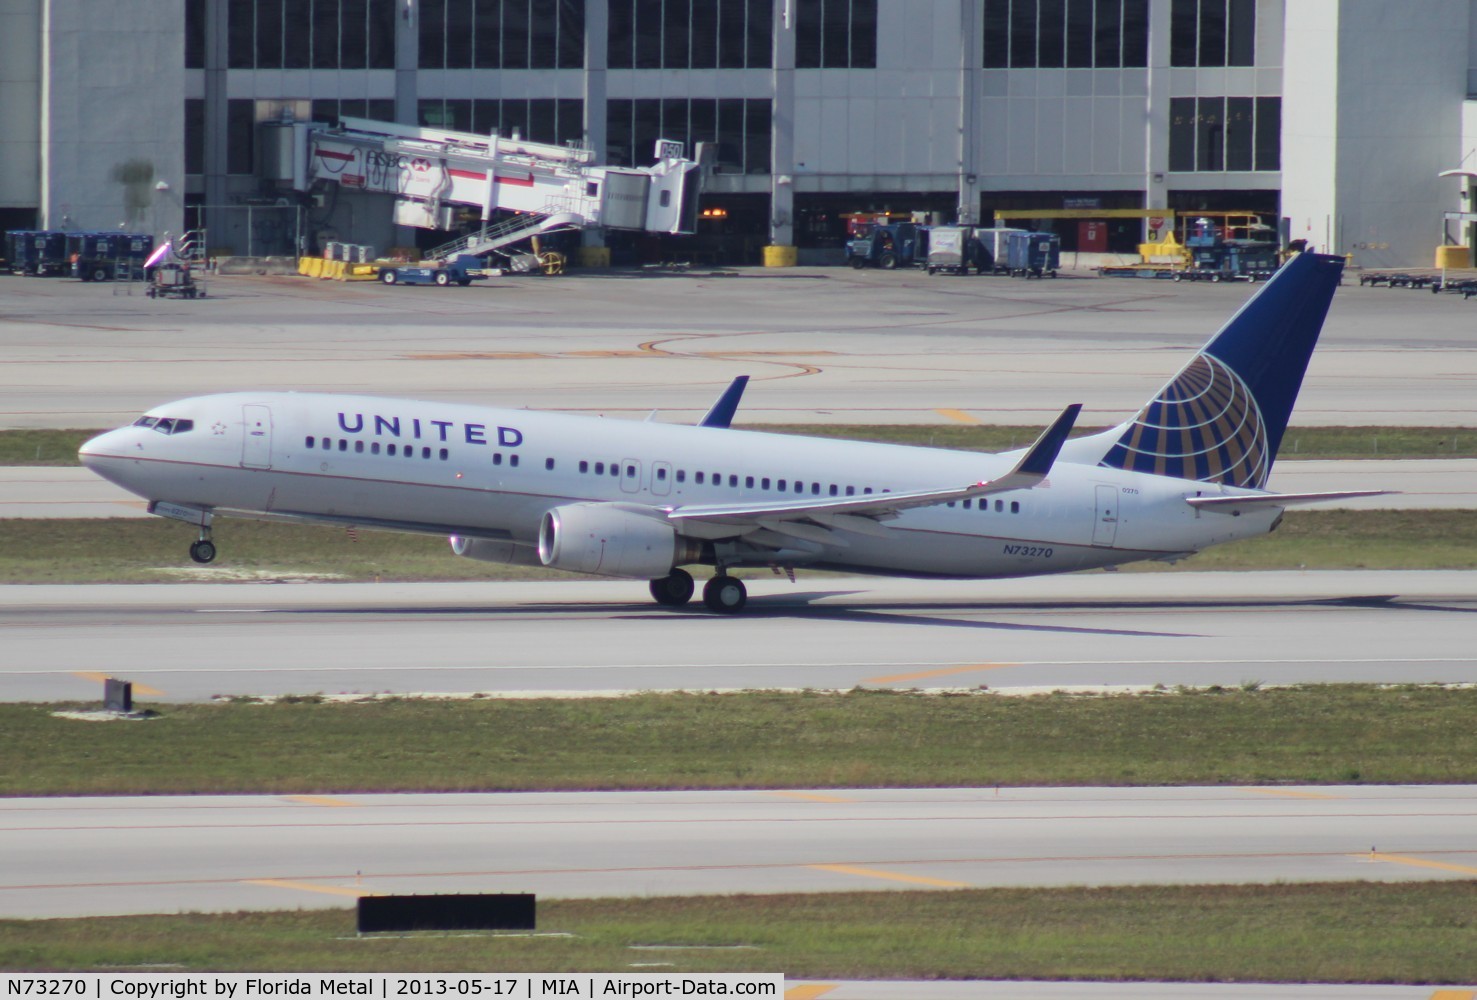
<point>494,551</point>
<point>610,540</point>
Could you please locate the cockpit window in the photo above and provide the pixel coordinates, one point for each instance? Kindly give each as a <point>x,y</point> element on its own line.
<point>166,425</point>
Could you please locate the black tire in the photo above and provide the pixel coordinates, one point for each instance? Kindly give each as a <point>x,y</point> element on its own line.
<point>389,277</point>
<point>887,260</point>
<point>857,263</point>
<point>442,278</point>
<point>1179,277</point>
<point>202,551</point>
<point>100,274</point>
<point>464,282</point>
<point>673,590</point>
<point>725,594</point>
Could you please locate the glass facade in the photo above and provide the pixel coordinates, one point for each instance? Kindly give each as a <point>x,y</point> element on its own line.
<point>502,34</point>
<point>1071,34</point>
<point>310,34</point>
<point>1225,133</point>
<point>690,34</point>
<point>836,34</point>
<point>1212,33</point>
<point>739,127</point>
<point>539,119</point>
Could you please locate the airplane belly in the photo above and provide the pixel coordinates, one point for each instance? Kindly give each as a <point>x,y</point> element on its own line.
<point>933,553</point>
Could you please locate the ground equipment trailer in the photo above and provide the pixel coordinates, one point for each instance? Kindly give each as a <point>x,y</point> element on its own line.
<point>105,256</point>
<point>955,249</point>
<point>437,174</point>
<point>460,270</point>
<point>37,251</point>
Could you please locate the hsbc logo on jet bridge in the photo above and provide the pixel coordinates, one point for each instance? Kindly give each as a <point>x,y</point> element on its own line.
<point>395,161</point>
<point>416,429</point>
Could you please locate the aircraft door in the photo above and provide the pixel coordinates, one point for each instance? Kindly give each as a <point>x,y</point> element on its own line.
<point>1105,519</point>
<point>630,475</point>
<point>256,441</point>
<point>661,478</point>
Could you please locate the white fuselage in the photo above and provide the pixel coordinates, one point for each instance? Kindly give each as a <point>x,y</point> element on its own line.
<point>492,473</point>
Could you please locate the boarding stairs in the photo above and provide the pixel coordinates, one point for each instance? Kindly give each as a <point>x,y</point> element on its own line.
<point>506,233</point>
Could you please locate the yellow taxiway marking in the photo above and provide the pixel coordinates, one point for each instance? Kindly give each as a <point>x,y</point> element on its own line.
<point>319,800</point>
<point>1401,859</point>
<point>1454,995</point>
<point>810,797</point>
<point>332,890</point>
<point>957,415</point>
<point>809,991</point>
<point>946,672</point>
<point>1291,794</point>
<point>889,876</point>
<point>93,675</point>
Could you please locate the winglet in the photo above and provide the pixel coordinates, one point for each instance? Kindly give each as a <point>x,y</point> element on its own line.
<point>721,415</point>
<point>1039,458</point>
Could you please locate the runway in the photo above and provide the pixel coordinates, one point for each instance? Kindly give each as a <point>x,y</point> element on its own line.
<point>217,853</point>
<point>193,642</point>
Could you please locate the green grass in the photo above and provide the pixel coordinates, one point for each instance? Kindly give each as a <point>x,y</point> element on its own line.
<point>59,447</point>
<point>129,550</point>
<point>873,738</point>
<point>1330,933</point>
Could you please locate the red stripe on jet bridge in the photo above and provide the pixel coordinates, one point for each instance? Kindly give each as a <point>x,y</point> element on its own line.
<point>526,182</point>
<point>333,154</point>
<point>470,175</point>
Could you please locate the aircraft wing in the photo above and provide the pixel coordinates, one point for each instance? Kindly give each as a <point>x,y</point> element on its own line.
<point>1254,501</point>
<point>861,513</point>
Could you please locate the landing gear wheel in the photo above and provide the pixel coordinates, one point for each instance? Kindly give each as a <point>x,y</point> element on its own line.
<point>202,551</point>
<point>674,590</point>
<point>725,595</point>
<point>389,277</point>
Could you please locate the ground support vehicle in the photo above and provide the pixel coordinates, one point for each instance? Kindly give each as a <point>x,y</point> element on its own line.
<point>460,270</point>
<point>1033,255</point>
<point>955,249</point>
<point>995,245</point>
<point>886,245</point>
<point>105,256</point>
<point>37,251</point>
<point>174,280</point>
<point>1398,279</point>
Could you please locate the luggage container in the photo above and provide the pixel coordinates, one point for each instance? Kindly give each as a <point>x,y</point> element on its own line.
<point>105,256</point>
<point>955,249</point>
<point>1034,255</point>
<point>995,248</point>
<point>37,251</point>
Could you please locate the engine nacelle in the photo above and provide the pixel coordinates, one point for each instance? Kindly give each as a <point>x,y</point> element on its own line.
<point>494,551</point>
<point>608,540</point>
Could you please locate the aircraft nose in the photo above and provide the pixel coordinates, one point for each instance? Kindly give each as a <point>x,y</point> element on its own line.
<point>109,444</point>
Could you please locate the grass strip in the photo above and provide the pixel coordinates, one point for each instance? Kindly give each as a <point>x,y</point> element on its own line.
<point>1414,932</point>
<point>864,738</point>
<point>129,550</point>
<point>59,447</point>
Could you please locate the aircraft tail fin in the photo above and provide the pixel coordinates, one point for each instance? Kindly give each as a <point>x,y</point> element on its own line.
<point>1221,419</point>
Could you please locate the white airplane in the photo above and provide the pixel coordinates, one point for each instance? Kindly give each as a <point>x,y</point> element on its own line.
<point>619,498</point>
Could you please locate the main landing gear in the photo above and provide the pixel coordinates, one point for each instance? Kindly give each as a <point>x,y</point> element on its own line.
<point>203,551</point>
<point>724,594</point>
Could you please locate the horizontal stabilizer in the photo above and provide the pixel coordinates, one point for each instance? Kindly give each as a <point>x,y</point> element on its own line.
<point>1253,501</point>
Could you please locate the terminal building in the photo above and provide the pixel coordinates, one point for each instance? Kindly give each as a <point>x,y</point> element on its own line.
<point>1332,120</point>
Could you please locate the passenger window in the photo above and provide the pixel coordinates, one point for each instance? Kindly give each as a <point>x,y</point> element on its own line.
<point>967,503</point>
<point>374,448</point>
<point>697,478</point>
<point>748,482</point>
<point>308,442</point>
<point>834,490</point>
<point>1015,507</point>
<point>764,483</point>
<point>733,480</point>
<point>443,454</point>
<point>549,464</point>
<point>599,468</point>
<point>513,461</point>
<point>343,445</point>
<point>615,469</point>
<point>681,476</point>
<point>851,491</point>
<point>799,486</point>
<point>999,506</point>
<point>497,458</point>
<point>358,447</point>
<point>630,472</point>
<point>425,452</point>
<point>867,490</point>
<point>327,444</point>
<point>815,489</point>
<point>390,450</point>
<point>584,466</point>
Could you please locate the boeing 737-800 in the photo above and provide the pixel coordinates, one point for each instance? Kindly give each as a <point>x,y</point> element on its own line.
<point>642,500</point>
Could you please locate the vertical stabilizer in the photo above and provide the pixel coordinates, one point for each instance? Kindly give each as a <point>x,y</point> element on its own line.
<point>1221,419</point>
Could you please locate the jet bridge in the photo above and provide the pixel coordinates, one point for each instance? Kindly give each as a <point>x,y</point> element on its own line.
<point>434,173</point>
